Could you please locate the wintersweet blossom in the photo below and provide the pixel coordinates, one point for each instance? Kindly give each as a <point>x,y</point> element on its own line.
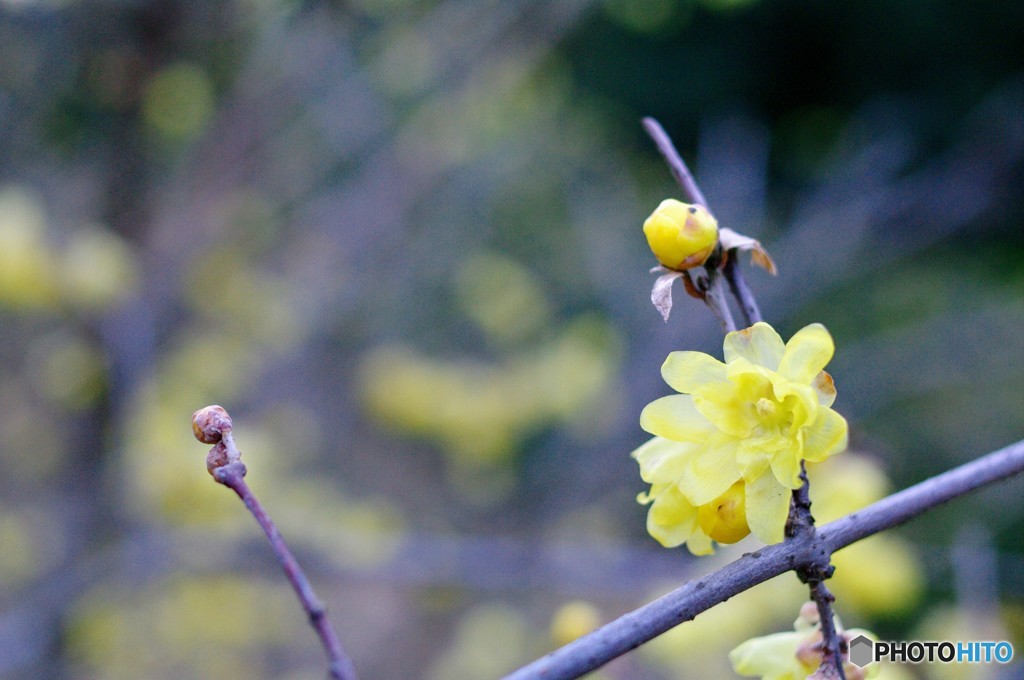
<point>795,655</point>
<point>743,428</point>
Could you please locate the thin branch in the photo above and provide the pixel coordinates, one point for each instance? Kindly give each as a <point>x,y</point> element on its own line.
<point>592,651</point>
<point>716,302</point>
<point>738,286</point>
<point>212,425</point>
<point>676,164</point>
<point>832,643</point>
<point>232,476</point>
<point>814,571</point>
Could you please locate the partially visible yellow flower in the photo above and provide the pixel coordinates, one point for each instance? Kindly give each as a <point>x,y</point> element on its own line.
<point>796,655</point>
<point>754,419</point>
<point>681,235</point>
<point>674,520</point>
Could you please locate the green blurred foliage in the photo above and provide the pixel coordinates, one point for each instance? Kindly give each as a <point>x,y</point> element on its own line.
<point>400,241</point>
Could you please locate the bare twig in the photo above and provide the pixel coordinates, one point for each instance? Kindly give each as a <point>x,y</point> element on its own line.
<point>738,286</point>
<point>675,162</point>
<point>213,425</point>
<point>683,604</point>
<point>716,302</point>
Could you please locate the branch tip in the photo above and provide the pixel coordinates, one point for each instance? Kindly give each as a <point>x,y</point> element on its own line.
<point>210,423</point>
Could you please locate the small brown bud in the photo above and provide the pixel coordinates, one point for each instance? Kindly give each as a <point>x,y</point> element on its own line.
<point>210,423</point>
<point>218,457</point>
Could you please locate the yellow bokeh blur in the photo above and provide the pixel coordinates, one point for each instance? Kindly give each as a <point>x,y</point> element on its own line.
<point>574,620</point>
<point>27,264</point>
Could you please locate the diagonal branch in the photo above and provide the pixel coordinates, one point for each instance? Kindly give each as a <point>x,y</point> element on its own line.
<point>683,604</point>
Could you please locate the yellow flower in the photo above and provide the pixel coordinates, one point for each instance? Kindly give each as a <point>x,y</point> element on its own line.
<point>681,235</point>
<point>796,655</point>
<point>754,419</point>
<point>674,520</point>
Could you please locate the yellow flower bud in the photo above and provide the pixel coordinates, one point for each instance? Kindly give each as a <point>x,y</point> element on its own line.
<point>724,519</point>
<point>681,235</point>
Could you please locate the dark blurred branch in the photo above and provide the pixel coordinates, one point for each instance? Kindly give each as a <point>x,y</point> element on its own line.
<point>641,625</point>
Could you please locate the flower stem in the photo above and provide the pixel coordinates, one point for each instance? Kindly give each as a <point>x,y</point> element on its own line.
<point>832,644</point>
<point>814,570</point>
<point>739,289</point>
<point>340,666</point>
<point>716,302</point>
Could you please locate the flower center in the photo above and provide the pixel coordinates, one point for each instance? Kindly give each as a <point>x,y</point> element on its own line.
<point>766,408</point>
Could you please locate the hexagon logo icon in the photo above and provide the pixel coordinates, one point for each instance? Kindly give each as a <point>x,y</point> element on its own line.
<point>861,651</point>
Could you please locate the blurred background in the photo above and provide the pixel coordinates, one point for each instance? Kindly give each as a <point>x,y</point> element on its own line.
<point>399,240</point>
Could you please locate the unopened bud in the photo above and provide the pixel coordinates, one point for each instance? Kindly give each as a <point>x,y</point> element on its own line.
<point>809,651</point>
<point>681,235</point>
<point>210,423</point>
<point>809,616</point>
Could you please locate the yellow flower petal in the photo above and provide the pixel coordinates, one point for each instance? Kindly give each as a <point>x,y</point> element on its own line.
<point>675,417</point>
<point>671,519</point>
<point>700,544</point>
<point>755,418</point>
<point>800,402</point>
<point>807,353</point>
<point>826,436</point>
<point>759,344</point>
<point>662,461</point>
<point>712,469</point>
<point>786,466</point>
<point>751,459</point>
<point>767,507</point>
<point>687,372</point>
<point>722,405</point>
<point>771,656</point>
<point>825,388</point>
